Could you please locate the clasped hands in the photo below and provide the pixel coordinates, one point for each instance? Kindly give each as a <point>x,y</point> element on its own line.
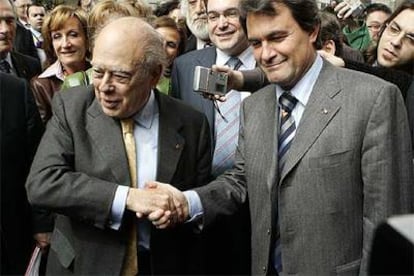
<point>162,204</point>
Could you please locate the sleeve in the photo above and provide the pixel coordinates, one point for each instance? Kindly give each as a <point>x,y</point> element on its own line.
<point>386,164</point>
<point>54,184</point>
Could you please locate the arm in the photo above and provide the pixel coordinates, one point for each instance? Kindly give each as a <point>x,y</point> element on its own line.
<point>385,164</point>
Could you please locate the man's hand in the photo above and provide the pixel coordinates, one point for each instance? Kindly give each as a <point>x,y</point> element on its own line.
<point>158,203</point>
<point>337,61</point>
<point>180,204</point>
<point>235,81</point>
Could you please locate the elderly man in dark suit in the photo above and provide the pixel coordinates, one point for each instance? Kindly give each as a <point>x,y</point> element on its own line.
<point>324,153</point>
<point>20,133</point>
<point>83,169</point>
<point>11,61</point>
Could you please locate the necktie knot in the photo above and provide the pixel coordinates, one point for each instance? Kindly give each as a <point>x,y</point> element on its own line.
<point>234,63</point>
<point>4,66</point>
<point>287,102</point>
<point>127,126</point>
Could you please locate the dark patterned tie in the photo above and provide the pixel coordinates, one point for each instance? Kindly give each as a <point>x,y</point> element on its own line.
<point>287,132</point>
<point>226,127</point>
<point>4,66</point>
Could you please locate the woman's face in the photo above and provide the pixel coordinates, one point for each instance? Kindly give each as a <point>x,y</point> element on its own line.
<point>70,45</point>
<point>396,45</point>
<point>171,42</point>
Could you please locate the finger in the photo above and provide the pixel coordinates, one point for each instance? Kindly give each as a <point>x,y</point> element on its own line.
<point>156,215</point>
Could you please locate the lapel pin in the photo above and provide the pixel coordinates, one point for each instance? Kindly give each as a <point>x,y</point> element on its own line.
<point>177,146</point>
<point>325,111</point>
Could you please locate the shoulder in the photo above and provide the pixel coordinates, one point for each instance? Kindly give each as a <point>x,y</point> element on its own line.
<point>178,108</point>
<point>189,57</point>
<point>75,99</point>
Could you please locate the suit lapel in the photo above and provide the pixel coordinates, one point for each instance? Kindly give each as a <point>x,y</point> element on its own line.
<point>319,111</point>
<point>170,141</point>
<point>107,136</point>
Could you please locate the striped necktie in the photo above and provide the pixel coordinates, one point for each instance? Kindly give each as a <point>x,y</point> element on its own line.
<point>287,132</point>
<point>226,126</point>
<point>4,66</point>
<point>130,266</point>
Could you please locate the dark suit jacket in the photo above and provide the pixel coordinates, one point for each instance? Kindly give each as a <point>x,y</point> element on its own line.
<point>80,162</point>
<point>229,249</point>
<point>20,133</point>
<point>26,67</point>
<point>23,42</point>
<point>182,76</point>
<point>348,168</point>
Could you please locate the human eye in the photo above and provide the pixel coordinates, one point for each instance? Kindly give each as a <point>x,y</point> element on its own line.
<point>56,36</point>
<point>410,38</point>
<point>255,43</point>
<point>394,29</point>
<point>10,20</point>
<point>73,34</point>
<point>232,13</point>
<point>121,77</point>
<point>213,16</point>
<point>98,73</point>
<point>171,44</point>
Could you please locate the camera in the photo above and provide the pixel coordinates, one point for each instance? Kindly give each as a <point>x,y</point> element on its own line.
<point>208,81</point>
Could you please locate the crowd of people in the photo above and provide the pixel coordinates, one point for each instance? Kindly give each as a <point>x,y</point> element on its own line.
<point>112,164</point>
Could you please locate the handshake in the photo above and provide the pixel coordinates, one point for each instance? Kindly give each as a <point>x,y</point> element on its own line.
<point>162,204</point>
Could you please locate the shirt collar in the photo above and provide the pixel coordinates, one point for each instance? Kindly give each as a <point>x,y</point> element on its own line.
<point>54,70</point>
<point>246,58</point>
<point>145,117</point>
<point>36,32</point>
<point>8,59</point>
<point>303,89</point>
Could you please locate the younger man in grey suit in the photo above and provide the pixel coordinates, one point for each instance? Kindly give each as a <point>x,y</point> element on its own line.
<point>324,153</point>
<point>81,171</point>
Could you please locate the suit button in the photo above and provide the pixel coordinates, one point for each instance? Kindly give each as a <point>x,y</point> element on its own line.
<point>268,232</point>
<point>264,269</point>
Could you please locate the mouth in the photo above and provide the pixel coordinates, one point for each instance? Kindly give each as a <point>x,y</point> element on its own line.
<point>389,53</point>
<point>109,104</point>
<point>225,34</point>
<point>275,65</point>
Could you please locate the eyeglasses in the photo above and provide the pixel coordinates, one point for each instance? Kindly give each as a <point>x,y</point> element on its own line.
<point>374,27</point>
<point>393,29</point>
<point>228,14</point>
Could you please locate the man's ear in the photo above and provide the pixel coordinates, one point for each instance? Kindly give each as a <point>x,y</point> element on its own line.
<point>329,47</point>
<point>156,75</point>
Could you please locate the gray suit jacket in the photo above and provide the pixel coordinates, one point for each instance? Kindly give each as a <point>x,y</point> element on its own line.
<point>348,168</point>
<point>79,164</point>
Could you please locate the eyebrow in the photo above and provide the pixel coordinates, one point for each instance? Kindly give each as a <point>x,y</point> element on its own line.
<point>399,27</point>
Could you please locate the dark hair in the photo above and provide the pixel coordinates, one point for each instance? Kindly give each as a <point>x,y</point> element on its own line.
<point>305,12</point>
<point>34,5</point>
<point>371,53</point>
<point>330,30</point>
<point>164,8</point>
<point>168,22</point>
<point>377,7</point>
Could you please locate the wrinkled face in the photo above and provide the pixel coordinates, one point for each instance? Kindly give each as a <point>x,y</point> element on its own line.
<point>36,16</point>
<point>122,85</point>
<point>70,45</point>
<point>21,8</point>
<point>224,26</point>
<point>374,22</point>
<point>196,19</point>
<point>7,28</point>
<point>171,42</point>
<point>280,46</point>
<point>396,45</point>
